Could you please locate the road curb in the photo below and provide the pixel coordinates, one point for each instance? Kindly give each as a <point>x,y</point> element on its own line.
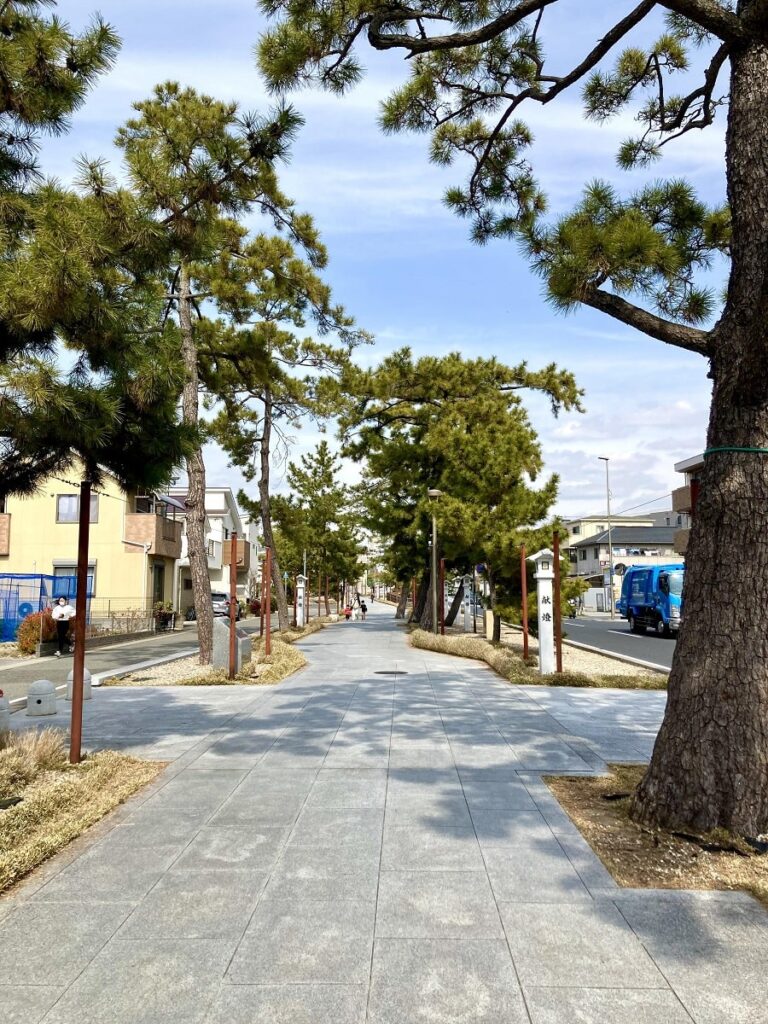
<point>98,678</point>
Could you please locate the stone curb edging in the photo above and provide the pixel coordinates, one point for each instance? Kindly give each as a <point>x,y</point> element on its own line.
<point>96,680</point>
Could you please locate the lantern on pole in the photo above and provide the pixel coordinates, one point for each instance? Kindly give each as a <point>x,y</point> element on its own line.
<point>544,576</point>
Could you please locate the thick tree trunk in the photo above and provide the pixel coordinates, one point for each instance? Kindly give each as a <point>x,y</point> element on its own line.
<point>421,597</point>
<point>710,762</point>
<point>402,603</point>
<point>197,548</point>
<point>266,514</point>
<point>453,611</point>
<point>426,621</point>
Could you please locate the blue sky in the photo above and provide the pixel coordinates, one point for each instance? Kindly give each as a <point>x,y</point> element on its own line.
<point>404,266</point>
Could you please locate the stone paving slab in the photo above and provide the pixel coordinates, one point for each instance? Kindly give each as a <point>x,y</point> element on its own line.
<point>370,841</point>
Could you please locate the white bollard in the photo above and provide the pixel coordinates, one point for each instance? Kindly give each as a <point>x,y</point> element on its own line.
<point>544,562</point>
<point>41,698</point>
<point>86,684</point>
<point>5,713</point>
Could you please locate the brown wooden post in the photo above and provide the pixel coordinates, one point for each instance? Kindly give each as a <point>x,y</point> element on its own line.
<point>319,594</point>
<point>441,602</point>
<point>413,595</point>
<point>268,638</point>
<point>295,605</point>
<point>557,608</point>
<point>524,588</point>
<point>81,607</point>
<point>261,602</point>
<point>233,606</point>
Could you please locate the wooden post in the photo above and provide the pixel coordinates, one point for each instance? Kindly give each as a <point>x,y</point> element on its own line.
<point>295,605</point>
<point>319,593</point>
<point>441,602</point>
<point>474,599</point>
<point>233,606</point>
<point>261,602</point>
<point>524,588</point>
<point>268,639</point>
<point>558,615</point>
<point>81,607</point>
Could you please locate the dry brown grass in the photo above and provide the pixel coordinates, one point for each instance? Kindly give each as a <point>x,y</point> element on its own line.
<point>59,801</point>
<point>513,668</point>
<point>641,857</point>
<point>262,670</point>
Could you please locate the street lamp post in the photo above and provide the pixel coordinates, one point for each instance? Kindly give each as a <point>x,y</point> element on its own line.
<point>605,459</point>
<point>433,494</point>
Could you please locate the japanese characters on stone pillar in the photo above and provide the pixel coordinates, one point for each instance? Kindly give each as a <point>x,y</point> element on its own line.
<point>544,562</point>
<point>301,601</point>
<point>467,581</point>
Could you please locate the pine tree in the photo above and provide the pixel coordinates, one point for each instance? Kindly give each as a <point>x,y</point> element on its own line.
<point>72,276</point>
<point>458,426</point>
<point>638,259</point>
<point>317,518</point>
<point>196,165</point>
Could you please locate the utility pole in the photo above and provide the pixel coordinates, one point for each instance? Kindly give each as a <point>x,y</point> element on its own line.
<point>81,608</point>
<point>233,606</point>
<point>605,459</point>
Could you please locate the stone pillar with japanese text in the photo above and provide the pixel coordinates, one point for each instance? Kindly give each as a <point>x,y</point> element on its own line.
<point>544,576</point>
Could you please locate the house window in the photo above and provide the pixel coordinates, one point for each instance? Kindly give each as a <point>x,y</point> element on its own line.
<point>226,533</point>
<point>583,555</point>
<point>679,520</point>
<point>575,530</point>
<point>2,504</point>
<point>187,584</point>
<point>597,552</point>
<point>68,508</point>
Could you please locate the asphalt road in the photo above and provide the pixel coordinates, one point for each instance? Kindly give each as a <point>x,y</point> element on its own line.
<point>613,635</point>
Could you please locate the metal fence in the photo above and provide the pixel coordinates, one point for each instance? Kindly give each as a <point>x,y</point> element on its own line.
<point>23,594</point>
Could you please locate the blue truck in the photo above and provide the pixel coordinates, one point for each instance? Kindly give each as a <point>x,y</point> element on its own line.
<point>652,597</point>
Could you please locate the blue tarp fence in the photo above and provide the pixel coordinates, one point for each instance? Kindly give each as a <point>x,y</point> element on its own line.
<point>21,594</point>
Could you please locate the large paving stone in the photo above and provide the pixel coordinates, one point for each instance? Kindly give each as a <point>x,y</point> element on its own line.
<point>579,944</point>
<point>167,982</point>
<point>605,1006</point>
<point>304,942</point>
<point>449,981</point>
<point>439,905</point>
<point>288,1004</point>
<point>26,1004</point>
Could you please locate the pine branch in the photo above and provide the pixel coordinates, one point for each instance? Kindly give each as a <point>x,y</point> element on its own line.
<point>679,335</point>
<point>712,16</point>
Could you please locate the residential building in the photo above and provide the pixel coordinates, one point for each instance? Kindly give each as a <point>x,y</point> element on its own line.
<point>640,545</point>
<point>589,526</point>
<point>222,520</point>
<point>684,498</point>
<point>134,541</point>
<point>678,519</point>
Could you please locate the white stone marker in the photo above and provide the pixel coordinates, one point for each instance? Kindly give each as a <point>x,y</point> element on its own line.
<point>301,602</point>
<point>467,581</point>
<point>545,574</point>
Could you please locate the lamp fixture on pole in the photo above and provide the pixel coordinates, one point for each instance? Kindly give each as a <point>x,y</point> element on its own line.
<point>606,460</point>
<point>433,494</point>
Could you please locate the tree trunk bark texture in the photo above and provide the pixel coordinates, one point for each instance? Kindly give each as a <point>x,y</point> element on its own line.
<point>426,621</point>
<point>421,597</point>
<point>197,548</point>
<point>710,763</point>
<point>456,603</point>
<point>266,514</point>
<point>402,603</point>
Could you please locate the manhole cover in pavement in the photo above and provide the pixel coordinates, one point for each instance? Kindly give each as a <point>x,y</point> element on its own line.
<point>390,672</point>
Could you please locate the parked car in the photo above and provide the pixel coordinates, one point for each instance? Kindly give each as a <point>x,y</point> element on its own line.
<point>220,602</point>
<point>651,597</point>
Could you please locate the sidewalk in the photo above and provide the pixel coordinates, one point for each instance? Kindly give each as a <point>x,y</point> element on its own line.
<point>370,841</point>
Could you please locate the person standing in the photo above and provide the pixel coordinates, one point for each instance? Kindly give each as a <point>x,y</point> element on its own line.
<point>363,609</point>
<point>62,614</point>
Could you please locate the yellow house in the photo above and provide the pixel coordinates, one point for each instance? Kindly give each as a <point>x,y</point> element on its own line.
<point>135,541</point>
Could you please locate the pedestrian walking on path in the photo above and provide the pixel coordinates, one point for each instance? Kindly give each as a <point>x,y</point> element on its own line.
<point>62,615</point>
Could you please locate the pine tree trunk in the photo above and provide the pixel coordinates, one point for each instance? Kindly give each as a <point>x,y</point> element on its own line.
<point>496,635</point>
<point>710,763</point>
<point>266,514</point>
<point>402,603</point>
<point>426,621</point>
<point>422,594</point>
<point>197,549</point>
<point>453,611</point>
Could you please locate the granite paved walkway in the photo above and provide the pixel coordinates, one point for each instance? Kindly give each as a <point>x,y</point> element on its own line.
<point>369,841</point>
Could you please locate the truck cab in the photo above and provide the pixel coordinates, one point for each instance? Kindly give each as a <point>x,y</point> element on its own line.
<point>652,598</point>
